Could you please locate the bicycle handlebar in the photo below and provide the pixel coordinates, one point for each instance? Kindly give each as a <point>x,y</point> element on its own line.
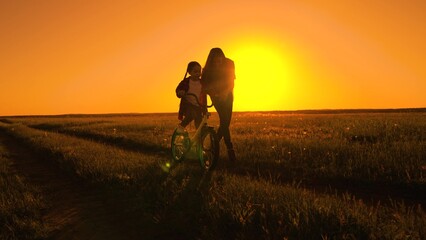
<point>198,101</point>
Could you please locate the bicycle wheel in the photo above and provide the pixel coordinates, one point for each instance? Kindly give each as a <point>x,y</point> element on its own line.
<point>208,149</point>
<point>179,147</point>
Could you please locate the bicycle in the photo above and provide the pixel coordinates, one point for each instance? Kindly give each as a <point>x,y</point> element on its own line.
<point>204,139</point>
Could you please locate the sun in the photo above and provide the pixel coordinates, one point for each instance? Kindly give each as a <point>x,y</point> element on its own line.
<point>262,76</point>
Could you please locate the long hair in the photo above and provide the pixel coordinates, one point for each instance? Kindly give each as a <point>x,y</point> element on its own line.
<point>209,68</point>
<point>214,52</point>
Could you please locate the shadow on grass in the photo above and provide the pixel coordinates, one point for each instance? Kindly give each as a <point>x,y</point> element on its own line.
<point>371,192</point>
<point>119,141</point>
<point>166,205</point>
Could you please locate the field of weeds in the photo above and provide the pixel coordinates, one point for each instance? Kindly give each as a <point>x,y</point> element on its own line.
<point>298,176</point>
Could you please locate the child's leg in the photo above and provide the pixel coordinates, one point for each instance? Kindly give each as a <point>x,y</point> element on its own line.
<point>198,116</point>
<point>188,116</point>
<point>186,120</point>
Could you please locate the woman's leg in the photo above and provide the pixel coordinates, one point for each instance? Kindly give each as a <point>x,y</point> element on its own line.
<point>224,109</point>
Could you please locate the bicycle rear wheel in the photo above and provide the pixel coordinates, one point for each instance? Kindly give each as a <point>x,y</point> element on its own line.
<point>208,149</point>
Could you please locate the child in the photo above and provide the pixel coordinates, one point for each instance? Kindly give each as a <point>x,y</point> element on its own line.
<point>189,109</point>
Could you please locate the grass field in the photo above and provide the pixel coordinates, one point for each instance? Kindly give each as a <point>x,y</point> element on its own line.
<point>298,176</point>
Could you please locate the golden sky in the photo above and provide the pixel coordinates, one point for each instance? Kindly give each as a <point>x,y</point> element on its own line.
<point>119,56</point>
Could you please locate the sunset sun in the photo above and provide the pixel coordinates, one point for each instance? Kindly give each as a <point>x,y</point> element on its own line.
<point>262,77</point>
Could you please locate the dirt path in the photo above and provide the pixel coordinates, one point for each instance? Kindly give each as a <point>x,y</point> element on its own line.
<point>76,210</point>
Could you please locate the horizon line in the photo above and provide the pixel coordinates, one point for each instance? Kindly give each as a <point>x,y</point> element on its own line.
<point>302,111</point>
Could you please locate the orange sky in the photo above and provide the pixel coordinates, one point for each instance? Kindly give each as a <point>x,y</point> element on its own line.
<point>105,56</point>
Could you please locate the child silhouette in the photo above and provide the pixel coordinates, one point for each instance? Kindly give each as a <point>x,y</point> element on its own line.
<point>189,108</point>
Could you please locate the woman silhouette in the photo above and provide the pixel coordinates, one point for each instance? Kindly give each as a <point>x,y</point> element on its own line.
<point>217,80</point>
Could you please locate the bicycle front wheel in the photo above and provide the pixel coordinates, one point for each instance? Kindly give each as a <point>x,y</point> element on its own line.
<point>179,147</point>
<point>208,150</point>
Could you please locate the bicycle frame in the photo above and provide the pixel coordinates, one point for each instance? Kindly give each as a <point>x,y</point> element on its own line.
<point>204,121</point>
<point>207,150</point>
<point>196,137</point>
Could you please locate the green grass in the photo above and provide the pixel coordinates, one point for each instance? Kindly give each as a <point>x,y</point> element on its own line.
<point>384,148</point>
<point>94,161</point>
<point>259,210</point>
<point>254,199</point>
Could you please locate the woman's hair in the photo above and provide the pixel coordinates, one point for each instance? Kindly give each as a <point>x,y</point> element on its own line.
<point>214,52</point>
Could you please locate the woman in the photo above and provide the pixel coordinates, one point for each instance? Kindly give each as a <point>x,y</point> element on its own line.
<point>217,80</point>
